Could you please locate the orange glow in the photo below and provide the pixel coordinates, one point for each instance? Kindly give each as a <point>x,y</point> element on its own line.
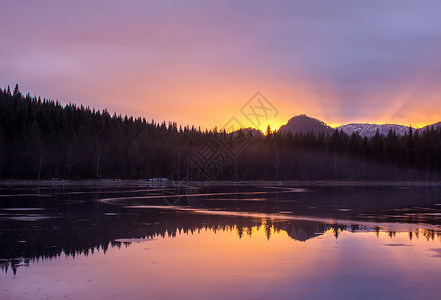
<point>210,96</point>
<point>213,105</point>
<point>208,264</point>
<point>200,67</point>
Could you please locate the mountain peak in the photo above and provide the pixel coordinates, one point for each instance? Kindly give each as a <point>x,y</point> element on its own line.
<point>304,124</point>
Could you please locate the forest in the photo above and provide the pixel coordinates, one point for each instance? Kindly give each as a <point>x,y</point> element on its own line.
<point>41,139</point>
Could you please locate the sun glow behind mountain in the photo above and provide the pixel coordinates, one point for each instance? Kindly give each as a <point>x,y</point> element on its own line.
<point>199,62</point>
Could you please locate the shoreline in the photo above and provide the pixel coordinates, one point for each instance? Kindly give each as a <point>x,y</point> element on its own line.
<point>170,183</point>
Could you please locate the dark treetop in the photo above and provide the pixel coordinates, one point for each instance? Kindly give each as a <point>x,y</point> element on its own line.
<point>40,139</point>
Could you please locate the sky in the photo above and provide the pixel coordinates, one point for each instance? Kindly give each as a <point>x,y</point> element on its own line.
<point>202,62</point>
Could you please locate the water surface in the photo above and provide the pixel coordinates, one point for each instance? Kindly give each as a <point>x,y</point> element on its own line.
<point>196,241</point>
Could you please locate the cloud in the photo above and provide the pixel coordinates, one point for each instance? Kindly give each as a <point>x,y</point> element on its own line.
<point>341,61</point>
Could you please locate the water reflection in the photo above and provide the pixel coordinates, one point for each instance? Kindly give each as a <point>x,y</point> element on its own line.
<point>75,226</point>
<point>246,222</point>
<point>216,263</point>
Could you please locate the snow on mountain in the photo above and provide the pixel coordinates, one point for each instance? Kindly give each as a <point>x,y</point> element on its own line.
<point>304,124</point>
<point>435,125</point>
<point>369,130</point>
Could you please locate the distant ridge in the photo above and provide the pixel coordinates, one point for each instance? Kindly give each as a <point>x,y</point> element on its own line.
<point>369,130</point>
<point>304,124</point>
<point>250,131</point>
<point>435,125</point>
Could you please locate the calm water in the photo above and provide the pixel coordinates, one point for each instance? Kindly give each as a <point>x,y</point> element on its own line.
<point>141,241</point>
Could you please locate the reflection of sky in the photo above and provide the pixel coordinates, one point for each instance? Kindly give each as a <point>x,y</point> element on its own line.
<point>340,61</point>
<point>220,265</point>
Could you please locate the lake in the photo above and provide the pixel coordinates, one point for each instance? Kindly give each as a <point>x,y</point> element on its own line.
<point>170,240</point>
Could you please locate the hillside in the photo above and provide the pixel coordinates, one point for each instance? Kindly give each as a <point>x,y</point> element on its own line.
<point>304,124</point>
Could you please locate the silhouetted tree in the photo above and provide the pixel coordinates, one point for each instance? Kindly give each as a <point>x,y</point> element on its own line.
<point>39,138</point>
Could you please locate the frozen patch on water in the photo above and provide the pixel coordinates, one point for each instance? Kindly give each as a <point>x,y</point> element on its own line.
<point>22,208</point>
<point>25,195</point>
<point>124,191</point>
<point>29,217</point>
<point>289,189</point>
<point>421,208</point>
<point>155,206</point>
<point>133,240</point>
<point>168,193</point>
<point>233,199</point>
<point>437,252</point>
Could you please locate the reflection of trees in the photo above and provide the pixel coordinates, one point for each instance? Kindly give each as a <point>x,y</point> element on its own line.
<point>85,228</point>
<point>249,231</point>
<point>377,231</point>
<point>336,230</point>
<point>391,234</point>
<point>80,234</point>
<point>239,231</point>
<point>429,234</point>
<point>267,227</point>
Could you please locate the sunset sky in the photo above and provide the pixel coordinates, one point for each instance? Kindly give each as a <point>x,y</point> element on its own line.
<point>199,62</point>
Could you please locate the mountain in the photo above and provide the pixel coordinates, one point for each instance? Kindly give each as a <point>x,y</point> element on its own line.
<point>249,131</point>
<point>369,130</point>
<point>435,125</point>
<point>304,124</point>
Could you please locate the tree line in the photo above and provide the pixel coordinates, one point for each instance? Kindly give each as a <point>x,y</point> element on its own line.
<point>41,139</point>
